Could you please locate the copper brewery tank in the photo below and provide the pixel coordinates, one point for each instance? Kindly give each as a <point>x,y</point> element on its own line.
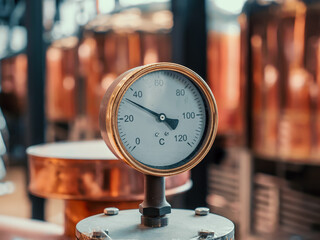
<point>284,47</point>
<point>61,80</point>
<point>89,178</point>
<point>223,54</point>
<point>223,70</point>
<point>13,81</point>
<point>113,44</point>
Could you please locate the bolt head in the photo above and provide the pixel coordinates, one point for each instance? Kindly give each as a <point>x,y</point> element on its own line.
<point>97,234</point>
<point>202,211</point>
<point>110,211</point>
<point>204,233</point>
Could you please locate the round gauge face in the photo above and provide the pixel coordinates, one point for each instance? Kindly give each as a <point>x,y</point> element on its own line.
<point>161,119</point>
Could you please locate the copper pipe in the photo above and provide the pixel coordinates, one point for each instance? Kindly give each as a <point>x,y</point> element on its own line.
<point>223,55</point>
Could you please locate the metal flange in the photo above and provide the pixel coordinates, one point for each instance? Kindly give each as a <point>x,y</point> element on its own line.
<point>184,224</point>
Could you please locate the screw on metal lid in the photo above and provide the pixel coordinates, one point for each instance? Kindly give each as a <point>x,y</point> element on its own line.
<point>205,234</point>
<point>99,235</point>
<point>202,211</point>
<point>111,211</point>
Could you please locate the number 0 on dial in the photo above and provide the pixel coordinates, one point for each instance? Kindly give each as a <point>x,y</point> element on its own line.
<point>160,119</point>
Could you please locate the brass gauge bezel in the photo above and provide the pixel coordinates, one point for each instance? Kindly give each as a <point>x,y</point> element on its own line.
<point>109,114</point>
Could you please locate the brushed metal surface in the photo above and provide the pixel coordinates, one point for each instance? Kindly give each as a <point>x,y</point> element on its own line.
<point>183,224</point>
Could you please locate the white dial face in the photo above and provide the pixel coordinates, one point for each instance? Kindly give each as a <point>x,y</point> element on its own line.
<point>162,119</point>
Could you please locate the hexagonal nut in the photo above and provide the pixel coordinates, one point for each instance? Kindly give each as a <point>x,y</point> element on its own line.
<point>204,233</point>
<point>202,211</point>
<point>154,222</point>
<point>99,235</point>
<point>154,211</point>
<point>111,211</point>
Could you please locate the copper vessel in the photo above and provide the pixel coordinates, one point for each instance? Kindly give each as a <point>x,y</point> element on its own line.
<point>284,46</point>
<point>103,56</point>
<point>89,177</point>
<point>61,80</point>
<point>13,84</point>
<point>113,44</point>
<point>224,79</point>
<point>155,37</point>
<point>223,70</point>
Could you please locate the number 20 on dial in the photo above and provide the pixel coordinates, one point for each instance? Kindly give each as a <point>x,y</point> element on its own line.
<point>160,118</point>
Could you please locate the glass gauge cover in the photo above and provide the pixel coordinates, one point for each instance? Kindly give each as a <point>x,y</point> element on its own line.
<point>161,118</point>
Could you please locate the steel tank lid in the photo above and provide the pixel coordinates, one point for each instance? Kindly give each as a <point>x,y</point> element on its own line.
<point>183,224</point>
<point>80,150</point>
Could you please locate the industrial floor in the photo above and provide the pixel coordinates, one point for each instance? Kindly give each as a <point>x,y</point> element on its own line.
<point>17,204</point>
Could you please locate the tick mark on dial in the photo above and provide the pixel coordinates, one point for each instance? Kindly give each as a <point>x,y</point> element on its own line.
<point>133,148</point>
<point>189,144</point>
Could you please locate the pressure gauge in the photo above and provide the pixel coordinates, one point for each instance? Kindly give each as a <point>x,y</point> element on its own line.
<point>161,118</point>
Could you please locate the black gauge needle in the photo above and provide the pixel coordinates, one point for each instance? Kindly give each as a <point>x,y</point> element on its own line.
<point>173,123</point>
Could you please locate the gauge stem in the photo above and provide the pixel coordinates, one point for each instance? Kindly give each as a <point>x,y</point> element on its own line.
<point>155,206</point>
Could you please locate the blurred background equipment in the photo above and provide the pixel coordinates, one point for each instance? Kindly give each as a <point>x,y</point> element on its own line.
<point>230,168</point>
<point>280,42</point>
<point>115,43</point>
<point>189,49</point>
<point>260,58</point>
<point>6,187</point>
<point>223,68</point>
<point>13,77</point>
